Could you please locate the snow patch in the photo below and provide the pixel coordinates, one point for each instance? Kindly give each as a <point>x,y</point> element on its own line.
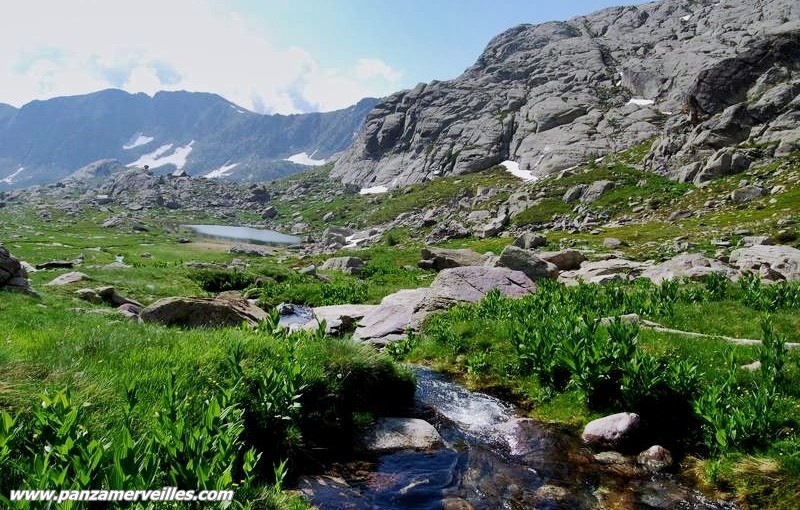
<point>374,190</point>
<point>141,139</point>
<point>686,18</point>
<point>512,167</point>
<point>160,157</point>
<point>641,102</point>
<point>10,179</point>
<point>302,158</point>
<point>222,171</point>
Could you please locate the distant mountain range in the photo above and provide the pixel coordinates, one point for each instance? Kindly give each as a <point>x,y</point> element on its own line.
<point>199,133</point>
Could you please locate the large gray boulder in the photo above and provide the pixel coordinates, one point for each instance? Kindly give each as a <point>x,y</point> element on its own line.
<point>611,432</point>
<point>595,190</point>
<point>470,284</point>
<point>392,434</point>
<point>693,266</point>
<point>348,265</point>
<point>391,319</point>
<point>784,260</point>
<point>445,258</point>
<point>202,312</point>
<point>518,259</point>
<point>748,193</point>
<point>12,275</point>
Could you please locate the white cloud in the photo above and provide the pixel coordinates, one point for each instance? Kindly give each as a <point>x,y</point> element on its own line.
<point>61,48</point>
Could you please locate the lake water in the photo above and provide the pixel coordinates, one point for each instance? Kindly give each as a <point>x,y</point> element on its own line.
<point>246,234</point>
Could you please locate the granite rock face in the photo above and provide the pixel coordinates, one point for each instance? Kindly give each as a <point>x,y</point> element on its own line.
<point>554,95</point>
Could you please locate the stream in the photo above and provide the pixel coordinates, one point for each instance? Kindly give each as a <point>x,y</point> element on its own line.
<point>494,460</point>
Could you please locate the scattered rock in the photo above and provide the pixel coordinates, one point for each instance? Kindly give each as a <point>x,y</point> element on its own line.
<point>530,240</point>
<point>56,264</point>
<point>252,251</point>
<point>784,260</point>
<point>603,271</point>
<point>564,260</point>
<point>197,312</point>
<point>348,265</point>
<point>655,459</point>
<point>612,431</point>
<point>13,275</point>
<point>391,319</point>
<point>694,266</point>
<point>613,243</point>
<point>67,279</point>
<point>445,258</point>
<point>574,193</point>
<point>748,193</point>
<point>527,262</point>
<point>392,434</point>
<point>447,230</point>
<point>595,190</point>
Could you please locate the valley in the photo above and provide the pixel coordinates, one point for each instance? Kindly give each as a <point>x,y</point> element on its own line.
<point>567,278</point>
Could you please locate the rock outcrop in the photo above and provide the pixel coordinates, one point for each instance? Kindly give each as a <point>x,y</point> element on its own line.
<point>12,275</point>
<point>392,434</point>
<point>557,94</point>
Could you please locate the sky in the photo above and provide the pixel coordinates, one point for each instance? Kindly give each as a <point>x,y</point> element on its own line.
<point>270,56</point>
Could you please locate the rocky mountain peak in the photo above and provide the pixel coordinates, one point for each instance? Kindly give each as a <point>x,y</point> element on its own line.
<point>554,95</point>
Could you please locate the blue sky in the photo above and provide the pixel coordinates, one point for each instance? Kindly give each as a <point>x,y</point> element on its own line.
<point>269,56</point>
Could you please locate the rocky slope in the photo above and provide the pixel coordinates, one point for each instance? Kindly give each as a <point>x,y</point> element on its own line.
<point>553,95</point>
<point>45,141</point>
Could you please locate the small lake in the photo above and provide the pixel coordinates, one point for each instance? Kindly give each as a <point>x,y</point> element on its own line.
<point>245,234</point>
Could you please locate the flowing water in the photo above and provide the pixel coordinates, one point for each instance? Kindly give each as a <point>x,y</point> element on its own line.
<point>246,234</point>
<point>493,460</point>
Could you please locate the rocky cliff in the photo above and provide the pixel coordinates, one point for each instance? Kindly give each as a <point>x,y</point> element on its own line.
<point>551,96</point>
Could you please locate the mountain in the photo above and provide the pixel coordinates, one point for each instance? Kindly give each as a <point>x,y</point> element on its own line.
<point>45,141</point>
<point>553,95</point>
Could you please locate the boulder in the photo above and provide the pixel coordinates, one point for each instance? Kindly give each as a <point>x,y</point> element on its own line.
<point>447,230</point>
<point>252,251</point>
<point>56,264</point>
<point>391,319</point>
<point>748,193</point>
<point>574,193</point>
<point>393,434</point>
<point>196,312</point>
<point>339,319</point>
<point>604,271</point>
<point>13,275</point>
<point>269,212</point>
<point>655,459</point>
<point>527,262</point>
<point>67,279</point>
<point>445,258</point>
<point>470,284</point>
<point>564,260</point>
<point>613,432</point>
<point>693,266</point>
<point>111,296</point>
<point>784,260</point>
<point>530,240</point>
<point>595,190</point>
<point>348,265</point>
<point>724,162</point>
